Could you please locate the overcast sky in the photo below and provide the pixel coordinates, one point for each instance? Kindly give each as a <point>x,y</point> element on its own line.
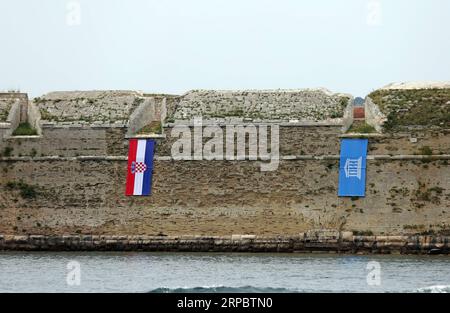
<point>172,46</point>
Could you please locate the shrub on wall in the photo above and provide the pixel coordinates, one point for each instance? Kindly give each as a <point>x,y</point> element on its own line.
<point>7,152</point>
<point>26,191</point>
<point>25,129</point>
<point>154,127</point>
<point>362,129</point>
<point>415,107</point>
<point>426,150</point>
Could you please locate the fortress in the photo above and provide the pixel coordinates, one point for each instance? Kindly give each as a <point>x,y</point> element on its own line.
<point>63,168</point>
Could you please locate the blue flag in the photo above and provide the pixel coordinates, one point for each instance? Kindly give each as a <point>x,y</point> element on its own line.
<point>352,168</point>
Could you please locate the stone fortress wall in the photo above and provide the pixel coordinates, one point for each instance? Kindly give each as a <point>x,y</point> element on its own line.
<point>14,108</point>
<point>70,178</point>
<point>306,104</point>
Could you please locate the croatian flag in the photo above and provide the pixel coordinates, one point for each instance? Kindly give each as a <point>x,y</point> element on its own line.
<point>140,167</point>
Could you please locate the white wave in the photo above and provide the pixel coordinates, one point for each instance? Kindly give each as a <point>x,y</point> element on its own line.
<point>222,289</point>
<point>434,289</point>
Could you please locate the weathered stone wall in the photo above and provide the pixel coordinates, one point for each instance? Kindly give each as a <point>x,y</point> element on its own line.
<point>34,117</point>
<point>325,140</point>
<point>144,114</point>
<point>306,104</point>
<point>88,107</point>
<point>70,141</point>
<point>166,104</point>
<point>324,240</point>
<point>103,140</point>
<point>7,100</point>
<point>13,119</point>
<point>348,117</point>
<point>71,179</point>
<point>294,140</point>
<point>86,195</point>
<point>403,108</point>
<point>4,127</point>
<point>412,142</point>
<point>5,107</point>
<point>373,115</point>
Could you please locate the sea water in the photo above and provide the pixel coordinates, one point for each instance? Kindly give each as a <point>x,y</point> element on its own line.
<point>220,272</point>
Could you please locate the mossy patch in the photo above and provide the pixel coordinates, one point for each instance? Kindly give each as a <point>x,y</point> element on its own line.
<point>431,194</point>
<point>25,129</point>
<point>426,150</point>
<point>154,127</point>
<point>7,152</point>
<point>26,191</point>
<point>362,129</point>
<point>362,233</point>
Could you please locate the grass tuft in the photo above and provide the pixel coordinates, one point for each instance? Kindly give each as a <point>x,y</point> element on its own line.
<point>362,129</point>
<point>153,128</point>
<point>25,129</point>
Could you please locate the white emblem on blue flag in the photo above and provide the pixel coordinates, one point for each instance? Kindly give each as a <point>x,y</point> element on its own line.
<point>352,168</point>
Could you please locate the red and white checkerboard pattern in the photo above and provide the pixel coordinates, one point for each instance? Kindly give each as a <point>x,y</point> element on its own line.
<point>138,167</point>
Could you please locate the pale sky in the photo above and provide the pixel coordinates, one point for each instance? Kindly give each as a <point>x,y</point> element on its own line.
<point>172,46</point>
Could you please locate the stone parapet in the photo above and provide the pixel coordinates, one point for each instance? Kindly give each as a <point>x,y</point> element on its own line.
<point>373,115</point>
<point>301,104</point>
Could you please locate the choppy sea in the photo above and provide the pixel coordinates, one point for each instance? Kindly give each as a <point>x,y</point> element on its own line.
<point>220,272</point>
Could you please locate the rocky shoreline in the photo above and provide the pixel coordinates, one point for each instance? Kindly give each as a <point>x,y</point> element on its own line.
<point>338,242</point>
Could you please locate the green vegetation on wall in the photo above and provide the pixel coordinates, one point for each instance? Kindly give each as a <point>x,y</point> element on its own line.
<point>343,102</point>
<point>7,152</point>
<point>425,150</point>
<point>26,191</point>
<point>362,129</point>
<point>415,107</point>
<point>25,129</point>
<point>154,127</point>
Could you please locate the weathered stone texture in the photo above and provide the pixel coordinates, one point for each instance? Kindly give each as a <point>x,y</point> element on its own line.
<point>413,107</point>
<point>55,192</point>
<point>373,115</point>
<point>318,140</point>
<point>87,107</point>
<point>5,107</point>
<point>412,142</point>
<point>341,242</point>
<point>306,104</point>
<point>222,198</point>
<point>325,140</point>
<point>70,141</point>
<point>7,99</point>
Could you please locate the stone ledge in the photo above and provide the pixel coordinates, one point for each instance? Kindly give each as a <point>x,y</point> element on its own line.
<point>363,135</point>
<point>144,136</point>
<point>22,137</point>
<point>51,125</point>
<point>169,158</point>
<point>280,123</point>
<point>323,241</point>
